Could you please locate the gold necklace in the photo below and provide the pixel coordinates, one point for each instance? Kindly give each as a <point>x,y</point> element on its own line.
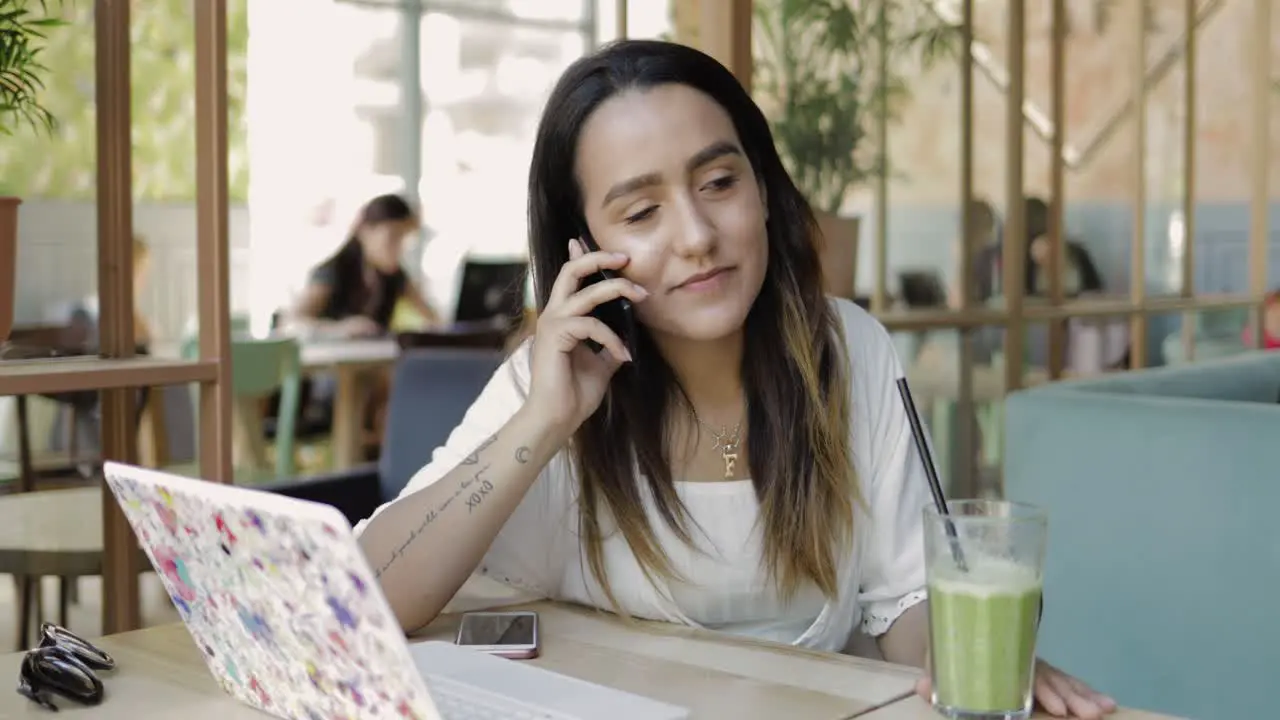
<point>725,442</point>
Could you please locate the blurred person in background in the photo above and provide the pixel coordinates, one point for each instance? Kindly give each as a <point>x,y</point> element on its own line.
<point>983,243</point>
<point>354,292</point>
<point>1079,274</point>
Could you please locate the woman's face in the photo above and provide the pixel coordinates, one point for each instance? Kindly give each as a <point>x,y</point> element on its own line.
<point>665,181</point>
<point>1040,250</point>
<point>384,243</point>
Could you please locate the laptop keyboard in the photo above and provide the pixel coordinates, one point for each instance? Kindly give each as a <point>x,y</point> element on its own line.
<point>468,684</point>
<point>459,701</point>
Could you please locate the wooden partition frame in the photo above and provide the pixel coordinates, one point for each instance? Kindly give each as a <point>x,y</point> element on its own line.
<point>964,470</point>
<point>121,564</point>
<point>1138,240</point>
<point>119,373</point>
<point>1139,306</point>
<point>214,278</point>
<point>1057,179</point>
<point>731,34</point>
<point>724,33</point>
<point>1259,202</point>
<point>1189,174</point>
<point>1014,258</point>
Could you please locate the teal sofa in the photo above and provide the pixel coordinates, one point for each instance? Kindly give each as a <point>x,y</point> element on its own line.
<point>1163,574</point>
<point>1217,335</point>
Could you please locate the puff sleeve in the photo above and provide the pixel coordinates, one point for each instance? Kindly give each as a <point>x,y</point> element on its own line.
<point>895,486</point>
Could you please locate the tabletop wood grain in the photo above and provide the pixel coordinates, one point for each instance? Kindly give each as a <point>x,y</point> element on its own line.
<point>914,708</point>
<point>161,674</point>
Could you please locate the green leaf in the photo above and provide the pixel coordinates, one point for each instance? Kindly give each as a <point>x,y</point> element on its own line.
<point>818,67</point>
<point>24,26</point>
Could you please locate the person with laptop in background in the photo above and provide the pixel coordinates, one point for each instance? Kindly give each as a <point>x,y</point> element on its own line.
<point>1080,273</point>
<point>353,294</point>
<point>980,252</point>
<point>739,458</point>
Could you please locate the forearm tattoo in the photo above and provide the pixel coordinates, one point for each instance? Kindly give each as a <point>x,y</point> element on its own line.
<point>475,489</point>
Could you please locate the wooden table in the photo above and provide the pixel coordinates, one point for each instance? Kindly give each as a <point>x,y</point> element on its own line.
<point>161,675</point>
<point>351,362</point>
<point>913,708</point>
<point>50,533</point>
<point>376,352</point>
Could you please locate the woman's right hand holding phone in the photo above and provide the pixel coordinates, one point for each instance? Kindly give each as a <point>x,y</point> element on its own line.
<point>568,379</point>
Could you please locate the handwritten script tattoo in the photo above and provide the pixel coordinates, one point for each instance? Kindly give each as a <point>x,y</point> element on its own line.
<point>474,457</point>
<point>522,455</point>
<point>479,493</point>
<point>477,487</point>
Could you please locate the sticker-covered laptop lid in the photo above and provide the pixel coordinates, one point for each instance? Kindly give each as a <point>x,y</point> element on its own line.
<point>276,595</point>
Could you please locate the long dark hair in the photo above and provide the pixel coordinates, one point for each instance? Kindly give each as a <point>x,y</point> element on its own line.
<point>349,259</point>
<point>1037,222</point>
<point>381,209</point>
<point>794,368</point>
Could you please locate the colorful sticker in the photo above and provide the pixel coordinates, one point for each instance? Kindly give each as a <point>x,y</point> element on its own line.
<point>283,615</point>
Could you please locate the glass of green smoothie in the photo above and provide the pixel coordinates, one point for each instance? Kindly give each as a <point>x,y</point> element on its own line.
<point>984,561</point>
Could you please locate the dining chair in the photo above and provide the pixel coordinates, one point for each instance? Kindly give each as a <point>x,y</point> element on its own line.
<point>259,368</point>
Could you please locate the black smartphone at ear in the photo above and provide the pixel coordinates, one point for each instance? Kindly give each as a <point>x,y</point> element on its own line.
<point>617,314</point>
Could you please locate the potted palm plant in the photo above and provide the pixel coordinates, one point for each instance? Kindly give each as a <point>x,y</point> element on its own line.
<point>826,70</point>
<point>23,27</point>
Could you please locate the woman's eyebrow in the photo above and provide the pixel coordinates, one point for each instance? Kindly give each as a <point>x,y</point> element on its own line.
<point>714,151</point>
<point>626,187</point>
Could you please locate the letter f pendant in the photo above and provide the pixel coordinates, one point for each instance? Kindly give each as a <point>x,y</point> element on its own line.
<point>730,461</point>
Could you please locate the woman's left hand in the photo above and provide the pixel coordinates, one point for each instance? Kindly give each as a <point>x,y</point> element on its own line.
<point>1058,693</point>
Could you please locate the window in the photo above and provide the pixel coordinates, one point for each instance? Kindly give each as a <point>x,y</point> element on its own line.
<point>485,78</point>
<point>484,69</point>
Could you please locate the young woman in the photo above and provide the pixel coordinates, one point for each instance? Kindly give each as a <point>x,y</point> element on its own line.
<point>354,292</point>
<point>1079,273</point>
<point>750,468</point>
<point>980,253</point>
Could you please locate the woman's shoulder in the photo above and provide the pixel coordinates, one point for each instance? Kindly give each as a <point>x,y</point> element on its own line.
<point>518,366</point>
<point>866,339</point>
<point>508,387</point>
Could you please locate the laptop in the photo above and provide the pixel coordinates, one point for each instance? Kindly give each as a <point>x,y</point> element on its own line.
<point>492,292</point>
<point>282,605</point>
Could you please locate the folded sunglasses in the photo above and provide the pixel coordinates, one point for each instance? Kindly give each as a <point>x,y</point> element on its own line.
<point>63,664</point>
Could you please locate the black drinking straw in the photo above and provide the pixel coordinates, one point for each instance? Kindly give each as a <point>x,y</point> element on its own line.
<point>931,471</point>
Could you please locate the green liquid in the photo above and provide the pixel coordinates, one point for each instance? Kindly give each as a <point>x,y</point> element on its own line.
<point>983,628</point>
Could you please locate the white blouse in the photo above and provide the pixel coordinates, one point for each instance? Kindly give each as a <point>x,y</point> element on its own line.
<point>537,550</point>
